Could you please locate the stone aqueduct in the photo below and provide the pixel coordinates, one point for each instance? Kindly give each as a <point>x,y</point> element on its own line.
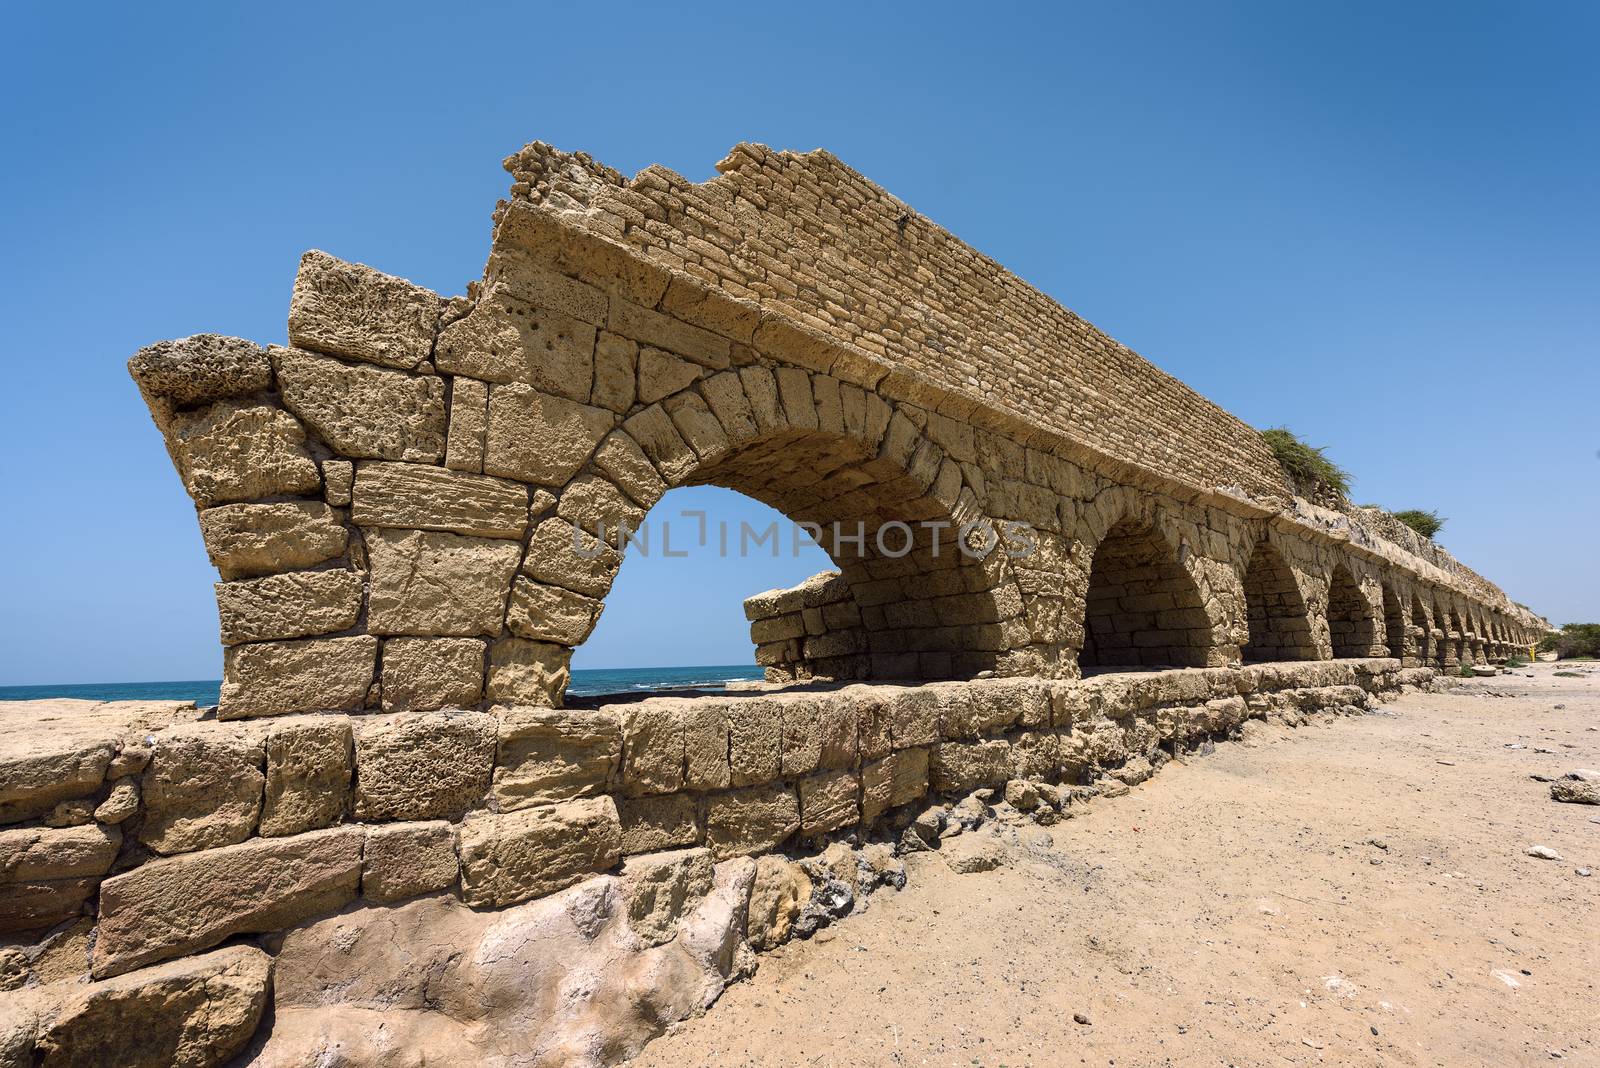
<point>391,499</point>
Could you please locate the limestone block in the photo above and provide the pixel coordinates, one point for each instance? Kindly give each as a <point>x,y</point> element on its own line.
<point>755,740</point>
<point>527,673</point>
<point>469,422</point>
<point>364,412</point>
<point>872,721</point>
<point>191,1013</point>
<point>621,460</point>
<point>653,431</point>
<point>652,747</point>
<point>561,554</point>
<point>507,338</point>
<point>756,820</point>
<point>961,767</point>
<point>1036,755</point>
<point>515,856</point>
<point>662,374</point>
<point>204,367</point>
<point>898,779</point>
<point>550,754</point>
<point>309,765</point>
<point>181,904</point>
<point>37,772</point>
<point>548,613</point>
<point>781,889</point>
<point>403,860</point>
<point>660,888</point>
<point>665,821</point>
<point>725,395</point>
<point>121,804</point>
<point>592,503</point>
<point>295,604</point>
<point>351,310</point>
<point>203,786</point>
<point>276,678</point>
<point>424,674</point>
<point>698,427</point>
<point>705,745</point>
<point>913,716</point>
<point>829,801</point>
<point>548,289</point>
<point>437,584</point>
<point>338,477</point>
<point>651,327</point>
<point>615,376</point>
<point>539,438</point>
<point>47,873</point>
<point>422,765</point>
<point>435,498</point>
<point>239,451</point>
<point>260,539</point>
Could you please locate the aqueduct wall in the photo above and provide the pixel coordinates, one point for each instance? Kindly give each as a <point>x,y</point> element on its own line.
<point>393,501</point>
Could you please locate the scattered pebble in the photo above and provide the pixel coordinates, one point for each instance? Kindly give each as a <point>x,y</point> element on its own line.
<point>1585,872</point>
<point>1080,1018</point>
<point>1542,852</point>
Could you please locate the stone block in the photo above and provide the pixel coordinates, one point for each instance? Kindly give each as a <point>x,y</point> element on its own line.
<point>741,822</point>
<point>508,338</point>
<point>418,497</point>
<point>351,310</point>
<point>204,367</point>
<point>561,554</point>
<point>873,741</point>
<point>37,771</point>
<point>592,503</point>
<point>913,715</point>
<point>511,857</point>
<point>653,431</point>
<point>527,673</point>
<point>261,539</point>
<point>338,478</point>
<point>296,604</point>
<point>422,765</point>
<point>424,674</point>
<point>662,374</point>
<point>898,779</point>
<point>653,747</point>
<point>705,744</point>
<point>309,765</point>
<point>755,740</point>
<point>364,412</point>
<point>549,613</point>
<point>780,890</point>
<point>660,888</point>
<point>469,423</point>
<point>402,860</point>
<point>535,437</point>
<point>961,767</point>
<point>621,460</point>
<point>615,372</point>
<point>653,328</point>
<point>203,787</point>
<point>432,583</point>
<point>1036,755</point>
<point>47,873</point>
<point>550,754</point>
<point>829,801</point>
<point>317,674</point>
<point>665,821</point>
<point>240,451</point>
<point>121,804</point>
<point>190,1013</point>
<point>193,901</point>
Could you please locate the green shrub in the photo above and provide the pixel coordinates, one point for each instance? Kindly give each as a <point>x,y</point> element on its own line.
<point>1306,465</point>
<point>1467,672</point>
<point>1425,523</point>
<point>1573,641</point>
<point>1515,661</point>
<point>1569,674</point>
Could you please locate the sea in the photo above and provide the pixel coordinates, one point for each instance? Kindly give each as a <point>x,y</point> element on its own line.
<point>586,682</point>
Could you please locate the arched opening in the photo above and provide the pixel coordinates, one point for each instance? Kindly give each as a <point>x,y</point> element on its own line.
<point>1142,608</point>
<point>1394,623</point>
<point>1419,626</point>
<point>1350,625</point>
<point>1280,628</point>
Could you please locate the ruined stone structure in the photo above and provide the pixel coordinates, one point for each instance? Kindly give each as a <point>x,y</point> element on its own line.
<point>396,500</point>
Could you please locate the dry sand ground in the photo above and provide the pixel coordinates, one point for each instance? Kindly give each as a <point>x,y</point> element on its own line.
<point>1235,911</point>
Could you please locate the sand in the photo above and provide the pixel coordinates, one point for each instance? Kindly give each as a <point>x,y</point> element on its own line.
<point>1355,892</point>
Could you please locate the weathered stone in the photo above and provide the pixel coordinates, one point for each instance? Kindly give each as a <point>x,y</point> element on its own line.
<point>38,770</point>
<point>967,854</point>
<point>751,821</point>
<point>781,889</point>
<point>515,856</point>
<point>274,678</point>
<point>548,754</point>
<point>261,539</point>
<point>507,339</point>
<point>654,823</point>
<point>296,604</point>
<point>424,674</point>
<point>309,765</point>
<point>662,374</point>
<point>121,804</point>
<point>960,767</point>
<point>47,873</point>
<point>561,554</point>
<point>652,747</point>
<point>192,1013</point>
<point>437,584</point>
<point>351,310</point>
<point>402,860</point>
<point>548,613</point>
<point>422,765</point>
<point>527,673</point>
<point>469,422</point>
<point>433,498</point>
<point>705,745</point>
<point>653,431</point>
<point>338,478</point>
<point>621,460</point>
<point>535,437</point>
<point>237,451</point>
<point>70,814</point>
<point>594,504</point>
<point>204,367</point>
<point>203,787</point>
<point>181,904</point>
<point>661,887</point>
<point>615,378</point>
<point>828,802</point>
<point>1581,787</point>
<point>364,412</point>
<point>755,740</point>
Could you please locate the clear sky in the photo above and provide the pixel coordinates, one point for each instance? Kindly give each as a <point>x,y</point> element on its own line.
<point>1373,222</point>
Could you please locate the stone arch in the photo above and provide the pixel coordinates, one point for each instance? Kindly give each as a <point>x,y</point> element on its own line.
<point>1351,628</point>
<point>1422,631</point>
<point>1279,623</point>
<point>1394,623</point>
<point>1142,606</point>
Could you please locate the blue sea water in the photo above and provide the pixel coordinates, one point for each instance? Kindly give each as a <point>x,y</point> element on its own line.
<point>586,682</point>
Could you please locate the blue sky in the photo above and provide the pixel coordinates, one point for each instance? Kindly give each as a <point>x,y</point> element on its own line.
<point>1374,223</point>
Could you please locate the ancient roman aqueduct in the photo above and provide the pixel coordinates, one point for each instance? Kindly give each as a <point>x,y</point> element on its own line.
<point>393,501</point>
